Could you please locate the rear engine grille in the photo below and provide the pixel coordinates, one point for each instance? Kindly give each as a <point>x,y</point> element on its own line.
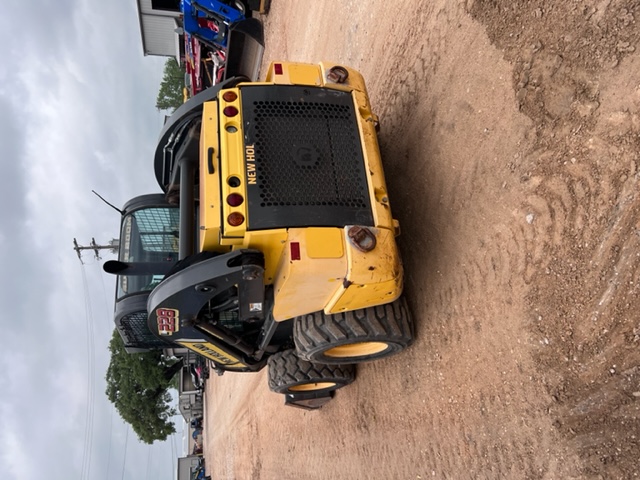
<point>309,167</point>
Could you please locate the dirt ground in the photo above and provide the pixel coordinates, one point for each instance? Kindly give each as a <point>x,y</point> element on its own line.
<point>511,141</point>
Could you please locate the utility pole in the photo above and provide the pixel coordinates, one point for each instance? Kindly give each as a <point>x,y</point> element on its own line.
<point>113,245</point>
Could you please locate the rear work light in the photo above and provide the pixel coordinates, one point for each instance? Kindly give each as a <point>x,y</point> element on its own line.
<point>235,219</point>
<point>230,111</point>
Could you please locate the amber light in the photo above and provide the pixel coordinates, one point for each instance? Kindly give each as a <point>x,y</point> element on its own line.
<point>229,96</point>
<point>235,219</point>
<point>235,199</point>
<point>230,111</point>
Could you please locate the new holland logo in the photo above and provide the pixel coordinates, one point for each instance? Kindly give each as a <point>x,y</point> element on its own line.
<point>250,157</point>
<point>168,321</point>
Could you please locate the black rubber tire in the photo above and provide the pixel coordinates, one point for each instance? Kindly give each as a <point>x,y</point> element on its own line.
<point>356,336</point>
<point>290,374</point>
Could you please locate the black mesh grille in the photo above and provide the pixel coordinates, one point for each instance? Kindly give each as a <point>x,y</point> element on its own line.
<point>135,330</point>
<point>308,158</point>
<point>326,149</point>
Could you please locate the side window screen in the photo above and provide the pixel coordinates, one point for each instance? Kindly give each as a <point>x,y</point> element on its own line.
<point>148,235</point>
<point>158,229</point>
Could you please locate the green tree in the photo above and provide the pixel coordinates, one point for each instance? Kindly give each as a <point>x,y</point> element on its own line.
<point>138,384</point>
<point>170,95</point>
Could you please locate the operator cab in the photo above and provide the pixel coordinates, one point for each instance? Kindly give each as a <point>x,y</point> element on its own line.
<point>148,250</point>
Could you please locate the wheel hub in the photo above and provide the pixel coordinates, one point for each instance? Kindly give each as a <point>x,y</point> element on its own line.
<point>309,387</point>
<point>356,349</point>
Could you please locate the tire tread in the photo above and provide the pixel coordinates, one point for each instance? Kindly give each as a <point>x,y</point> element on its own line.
<point>317,332</point>
<point>286,369</point>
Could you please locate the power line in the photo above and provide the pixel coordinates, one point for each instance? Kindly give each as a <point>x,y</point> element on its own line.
<point>110,440</point>
<point>89,413</point>
<point>146,475</point>
<point>174,451</point>
<point>124,460</point>
<point>108,318</point>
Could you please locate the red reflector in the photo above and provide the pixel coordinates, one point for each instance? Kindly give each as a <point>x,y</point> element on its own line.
<point>295,251</point>
<point>277,68</point>
<point>235,199</point>
<point>230,111</point>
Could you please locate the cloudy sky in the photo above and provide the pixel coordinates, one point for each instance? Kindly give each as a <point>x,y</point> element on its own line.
<point>77,113</point>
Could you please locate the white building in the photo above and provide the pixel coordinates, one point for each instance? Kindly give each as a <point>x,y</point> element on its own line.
<point>159,20</point>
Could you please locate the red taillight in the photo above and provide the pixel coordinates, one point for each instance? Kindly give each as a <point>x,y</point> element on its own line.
<point>235,199</point>
<point>229,96</point>
<point>230,111</point>
<point>277,68</point>
<point>235,219</point>
<point>295,251</point>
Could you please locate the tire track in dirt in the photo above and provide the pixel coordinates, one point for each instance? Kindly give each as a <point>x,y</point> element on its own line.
<point>464,277</point>
<point>585,308</point>
<point>592,331</point>
<point>222,425</point>
<point>486,391</point>
<point>581,189</point>
<point>464,272</point>
<point>562,206</point>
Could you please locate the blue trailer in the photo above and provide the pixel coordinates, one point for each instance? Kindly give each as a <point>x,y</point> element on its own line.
<point>227,33</point>
<point>209,20</point>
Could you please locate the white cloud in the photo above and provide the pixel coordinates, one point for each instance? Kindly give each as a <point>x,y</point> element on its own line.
<point>77,112</point>
<point>15,457</point>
